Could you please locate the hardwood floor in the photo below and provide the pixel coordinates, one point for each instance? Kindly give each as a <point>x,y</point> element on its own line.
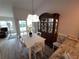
<point>9,49</point>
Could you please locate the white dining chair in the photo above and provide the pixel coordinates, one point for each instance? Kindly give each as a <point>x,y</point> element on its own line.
<point>38,47</point>
<point>59,41</point>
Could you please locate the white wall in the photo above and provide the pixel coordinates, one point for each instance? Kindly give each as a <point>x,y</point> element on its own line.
<point>69,21</point>
<point>6,12</point>
<point>19,14</point>
<point>6,9</point>
<point>69,15</point>
<point>50,6</point>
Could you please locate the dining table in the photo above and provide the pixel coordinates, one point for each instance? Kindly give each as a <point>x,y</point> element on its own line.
<point>30,41</point>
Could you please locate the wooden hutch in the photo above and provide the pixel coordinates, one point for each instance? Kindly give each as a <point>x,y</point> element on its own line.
<point>49,27</point>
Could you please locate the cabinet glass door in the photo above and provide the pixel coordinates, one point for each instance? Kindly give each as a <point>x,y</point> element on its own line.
<point>50,25</point>
<point>56,25</point>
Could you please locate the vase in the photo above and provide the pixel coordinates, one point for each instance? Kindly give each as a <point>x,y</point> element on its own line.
<point>30,34</point>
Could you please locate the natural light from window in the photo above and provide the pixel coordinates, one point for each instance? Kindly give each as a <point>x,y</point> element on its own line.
<point>32,18</point>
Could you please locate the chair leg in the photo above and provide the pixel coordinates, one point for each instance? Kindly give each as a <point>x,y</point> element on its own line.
<point>34,55</point>
<point>53,47</point>
<point>42,53</point>
<point>21,57</point>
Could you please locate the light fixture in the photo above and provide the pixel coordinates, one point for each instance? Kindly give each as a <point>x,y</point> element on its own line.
<point>32,17</point>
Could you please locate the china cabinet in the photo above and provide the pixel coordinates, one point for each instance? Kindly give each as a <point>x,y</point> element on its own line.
<point>49,27</point>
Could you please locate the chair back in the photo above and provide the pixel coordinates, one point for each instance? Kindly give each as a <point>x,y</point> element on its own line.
<point>37,47</point>
<point>38,44</point>
<point>60,39</point>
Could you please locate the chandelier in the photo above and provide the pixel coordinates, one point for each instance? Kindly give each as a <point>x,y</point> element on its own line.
<point>32,17</point>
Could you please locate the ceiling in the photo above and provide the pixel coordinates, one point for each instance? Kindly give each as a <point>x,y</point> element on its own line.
<point>27,4</point>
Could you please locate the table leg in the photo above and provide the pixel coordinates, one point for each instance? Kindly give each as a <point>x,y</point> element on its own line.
<point>29,53</point>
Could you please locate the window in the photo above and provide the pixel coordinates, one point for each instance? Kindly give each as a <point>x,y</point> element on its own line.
<point>23,25</point>
<point>7,24</point>
<point>32,18</point>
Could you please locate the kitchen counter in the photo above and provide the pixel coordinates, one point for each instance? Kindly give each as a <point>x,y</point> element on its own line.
<point>70,47</point>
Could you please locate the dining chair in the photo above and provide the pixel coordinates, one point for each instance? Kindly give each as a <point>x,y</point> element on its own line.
<point>39,33</point>
<point>59,41</point>
<point>38,47</point>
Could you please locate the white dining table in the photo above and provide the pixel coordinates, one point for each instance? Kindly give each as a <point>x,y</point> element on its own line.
<point>30,41</point>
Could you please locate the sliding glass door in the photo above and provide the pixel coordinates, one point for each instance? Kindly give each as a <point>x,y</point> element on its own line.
<point>23,26</point>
